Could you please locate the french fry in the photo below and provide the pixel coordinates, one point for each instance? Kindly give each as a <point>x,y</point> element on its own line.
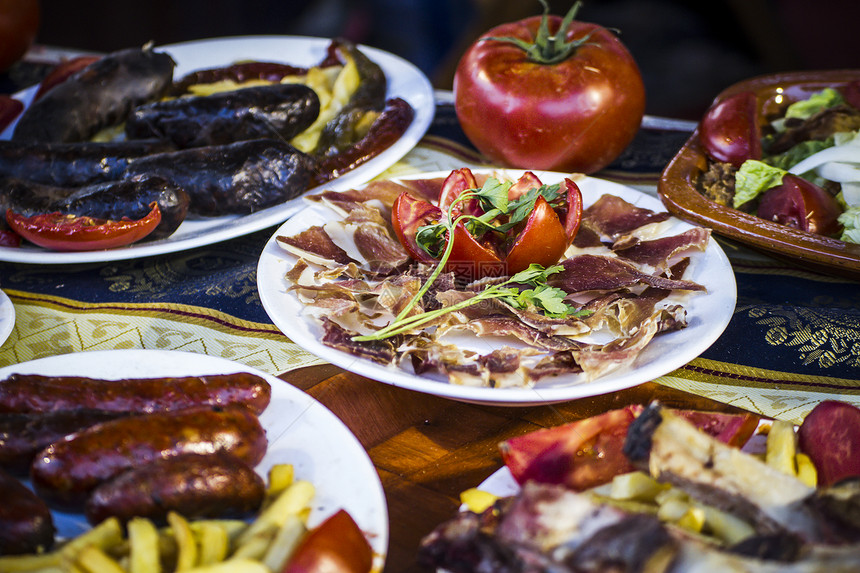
<point>692,519</point>
<point>233,566</point>
<point>213,542</point>
<point>293,500</point>
<point>28,563</point>
<point>806,471</point>
<point>782,447</point>
<point>284,543</point>
<point>726,526</point>
<point>186,557</point>
<point>636,486</point>
<point>281,476</point>
<point>144,552</point>
<point>255,546</point>
<point>477,500</point>
<point>106,534</point>
<point>233,527</point>
<point>94,560</point>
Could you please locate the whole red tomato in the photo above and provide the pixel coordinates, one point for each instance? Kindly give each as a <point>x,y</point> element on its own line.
<point>547,93</point>
<point>19,22</point>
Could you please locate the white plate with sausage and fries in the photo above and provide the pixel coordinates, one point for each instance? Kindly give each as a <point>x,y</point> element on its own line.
<point>300,431</point>
<point>404,80</point>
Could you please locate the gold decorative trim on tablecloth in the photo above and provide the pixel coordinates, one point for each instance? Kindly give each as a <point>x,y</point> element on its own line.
<point>48,325</point>
<point>771,393</point>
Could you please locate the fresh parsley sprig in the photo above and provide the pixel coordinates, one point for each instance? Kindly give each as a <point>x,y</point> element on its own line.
<point>541,297</point>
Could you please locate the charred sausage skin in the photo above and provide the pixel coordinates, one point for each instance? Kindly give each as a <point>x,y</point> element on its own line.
<point>65,472</point>
<point>194,485</point>
<point>26,524</point>
<point>277,110</point>
<point>37,393</point>
<point>100,95</point>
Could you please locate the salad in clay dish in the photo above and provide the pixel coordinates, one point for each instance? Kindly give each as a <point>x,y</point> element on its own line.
<point>797,165</point>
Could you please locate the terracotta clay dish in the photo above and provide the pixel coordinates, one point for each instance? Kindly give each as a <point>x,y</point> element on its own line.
<point>677,185</point>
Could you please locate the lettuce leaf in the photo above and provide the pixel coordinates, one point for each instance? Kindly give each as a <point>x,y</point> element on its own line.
<point>850,220</point>
<point>804,109</point>
<point>754,178</point>
<point>798,153</point>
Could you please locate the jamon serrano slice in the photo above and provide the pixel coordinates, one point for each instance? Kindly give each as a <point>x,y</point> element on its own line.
<point>594,272</point>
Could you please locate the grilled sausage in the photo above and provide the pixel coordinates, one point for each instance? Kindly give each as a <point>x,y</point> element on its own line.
<point>194,485</point>
<point>22,436</point>
<point>269,111</point>
<point>100,95</point>
<point>111,200</point>
<point>73,164</point>
<point>237,178</point>
<point>66,472</point>
<point>26,524</point>
<point>37,393</point>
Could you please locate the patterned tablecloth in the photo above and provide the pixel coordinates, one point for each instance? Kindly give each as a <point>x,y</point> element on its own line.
<point>793,341</point>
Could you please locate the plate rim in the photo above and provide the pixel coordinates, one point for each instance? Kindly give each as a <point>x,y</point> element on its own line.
<point>273,256</point>
<point>7,310</point>
<point>375,524</point>
<point>420,97</point>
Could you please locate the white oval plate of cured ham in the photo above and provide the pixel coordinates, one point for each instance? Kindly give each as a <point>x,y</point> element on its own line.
<point>462,365</point>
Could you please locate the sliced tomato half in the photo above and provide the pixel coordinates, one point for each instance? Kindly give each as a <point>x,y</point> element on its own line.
<point>337,545</point>
<point>63,232</point>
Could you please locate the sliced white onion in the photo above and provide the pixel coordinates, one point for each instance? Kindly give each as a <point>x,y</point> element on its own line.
<point>842,153</point>
<point>851,194</point>
<point>840,172</point>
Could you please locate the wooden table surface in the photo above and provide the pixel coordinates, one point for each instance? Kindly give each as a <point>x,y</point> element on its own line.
<point>428,449</point>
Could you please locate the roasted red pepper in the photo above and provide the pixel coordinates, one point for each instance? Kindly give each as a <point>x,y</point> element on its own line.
<point>63,232</point>
<point>512,242</point>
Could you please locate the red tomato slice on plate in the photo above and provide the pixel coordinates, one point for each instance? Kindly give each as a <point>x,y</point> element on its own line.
<point>337,545</point>
<point>62,232</point>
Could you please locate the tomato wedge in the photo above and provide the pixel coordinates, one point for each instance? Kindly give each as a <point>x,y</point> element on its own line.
<point>337,545</point>
<point>730,131</point>
<point>407,215</point>
<point>540,238</point>
<point>63,232</point>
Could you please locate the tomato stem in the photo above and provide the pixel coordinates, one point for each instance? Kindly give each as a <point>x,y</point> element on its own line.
<point>547,48</point>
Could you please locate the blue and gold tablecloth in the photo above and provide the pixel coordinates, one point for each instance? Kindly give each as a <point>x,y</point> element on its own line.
<point>794,338</point>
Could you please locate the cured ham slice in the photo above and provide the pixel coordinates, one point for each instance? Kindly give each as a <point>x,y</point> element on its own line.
<point>602,273</point>
<point>611,217</point>
<point>659,253</point>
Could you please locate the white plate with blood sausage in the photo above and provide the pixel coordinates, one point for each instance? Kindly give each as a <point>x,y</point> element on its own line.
<point>404,80</point>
